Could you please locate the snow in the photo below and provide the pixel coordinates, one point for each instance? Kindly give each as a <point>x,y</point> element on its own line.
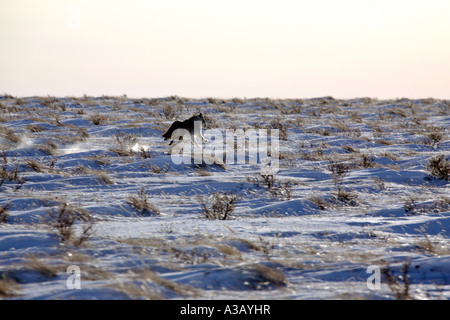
<point>294,241</point>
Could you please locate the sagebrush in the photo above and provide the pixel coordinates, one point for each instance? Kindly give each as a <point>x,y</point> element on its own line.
<point>221,205</point>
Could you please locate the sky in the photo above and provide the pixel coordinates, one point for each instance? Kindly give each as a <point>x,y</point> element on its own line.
<point>209,48</point>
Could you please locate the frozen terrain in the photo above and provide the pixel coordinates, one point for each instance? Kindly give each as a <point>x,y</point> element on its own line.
<point>89,183</point>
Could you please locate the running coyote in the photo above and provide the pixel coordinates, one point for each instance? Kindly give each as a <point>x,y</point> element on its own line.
<point>193,125</point>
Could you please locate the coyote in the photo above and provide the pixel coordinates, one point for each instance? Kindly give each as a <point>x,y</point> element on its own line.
<point>193,125</point>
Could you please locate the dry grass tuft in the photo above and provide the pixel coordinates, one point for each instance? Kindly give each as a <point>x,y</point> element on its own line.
<point>268,276</point>
<point>10,135</point>
<point>35,263</point>
<point>8,287</point>
<point>142,203</point>
<point>49,147</point>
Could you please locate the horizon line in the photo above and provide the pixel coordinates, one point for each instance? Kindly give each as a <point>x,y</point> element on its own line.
<point>173,96</point>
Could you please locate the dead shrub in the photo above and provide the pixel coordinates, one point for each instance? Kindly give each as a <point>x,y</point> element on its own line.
<point>63,219</point>
<point>125,139</point>
<point>282,128</point>
<point>169,111</point>
<point>319,202</point>
<point>439,167</point>
<point>98,119</point>
<point>379,183</point>
<point>339,171</point>
<point>345,196</point>
<point>434,137</point>
<point>124,144</point>
<point>367,161</point>
<point>144,153</point>
<point>237,100</point>
<point>398,284</point>
<point>220,207</point>
<point>414,207</point>
<point>277,188</point>
<point>10,173</point>
<point>268,180</point>
<point>4,213</point>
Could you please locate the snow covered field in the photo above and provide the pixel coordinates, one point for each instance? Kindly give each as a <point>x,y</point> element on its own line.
<point>93,207</point>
